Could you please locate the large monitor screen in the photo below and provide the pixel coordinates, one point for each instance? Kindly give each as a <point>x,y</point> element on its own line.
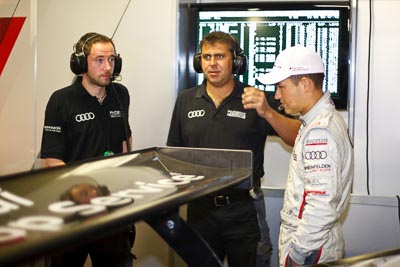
<point>263,30</point>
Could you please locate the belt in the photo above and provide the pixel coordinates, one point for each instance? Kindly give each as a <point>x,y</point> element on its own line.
<point>225,199</point>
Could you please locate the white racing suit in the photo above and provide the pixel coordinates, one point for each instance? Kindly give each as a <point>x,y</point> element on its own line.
<point>317,189</point>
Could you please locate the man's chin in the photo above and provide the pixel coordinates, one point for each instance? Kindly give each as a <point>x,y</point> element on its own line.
<point>105,81</point>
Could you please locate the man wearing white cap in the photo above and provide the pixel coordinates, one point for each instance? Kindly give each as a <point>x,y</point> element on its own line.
<point>321,165</point>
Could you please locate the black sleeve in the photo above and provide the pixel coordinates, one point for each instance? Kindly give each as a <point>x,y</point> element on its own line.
<point>174,135</point>
<point>53,137</point>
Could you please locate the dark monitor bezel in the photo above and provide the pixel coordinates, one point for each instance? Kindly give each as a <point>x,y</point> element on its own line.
<point>190,16</point>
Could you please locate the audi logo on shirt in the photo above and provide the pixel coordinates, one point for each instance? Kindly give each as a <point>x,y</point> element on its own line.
<point>316,155</point>
<point>196,113</point>
<point>84,117</point>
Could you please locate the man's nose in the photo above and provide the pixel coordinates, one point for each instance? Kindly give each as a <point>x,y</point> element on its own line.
<point>278,94</point>
<point>213,60</point>
<point>108,65</point>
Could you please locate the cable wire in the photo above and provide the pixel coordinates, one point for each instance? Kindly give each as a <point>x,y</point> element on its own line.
<point>398,206</point>
<point>124,115</point>
<point>124,118</point>
<point>119,22</point>
<point>15,9</point>
<point>368,93</point>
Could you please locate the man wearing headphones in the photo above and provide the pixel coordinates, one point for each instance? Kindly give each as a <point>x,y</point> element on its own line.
<point>212,115</point>
<point>89,119</point>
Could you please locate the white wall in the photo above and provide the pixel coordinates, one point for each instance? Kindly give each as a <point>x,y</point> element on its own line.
<point>383,133</point>
<point>17,95</point>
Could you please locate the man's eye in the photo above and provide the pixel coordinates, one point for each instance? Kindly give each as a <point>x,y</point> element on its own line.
<point>206,57</point>
<point>220,56</point>
<point>99,61</point>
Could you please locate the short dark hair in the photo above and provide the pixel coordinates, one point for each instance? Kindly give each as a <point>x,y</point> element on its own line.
<point>222,37</point>
<point>316,78</point>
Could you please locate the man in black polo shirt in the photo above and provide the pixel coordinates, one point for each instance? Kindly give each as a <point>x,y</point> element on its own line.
<point>221,113</point>
<point>89,119</point>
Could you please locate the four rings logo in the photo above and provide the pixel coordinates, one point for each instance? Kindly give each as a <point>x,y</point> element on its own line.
<point>316,154</point>
<point>196,113</point>
<point>84,117</point>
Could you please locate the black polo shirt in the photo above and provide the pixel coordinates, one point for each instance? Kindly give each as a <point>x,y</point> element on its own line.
<point>78,127</point>
<point>196,122</point>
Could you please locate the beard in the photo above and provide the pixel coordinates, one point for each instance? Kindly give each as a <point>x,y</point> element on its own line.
<point>98,80</point>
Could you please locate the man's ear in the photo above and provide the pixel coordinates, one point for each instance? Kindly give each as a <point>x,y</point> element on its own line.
<point>307,83</point>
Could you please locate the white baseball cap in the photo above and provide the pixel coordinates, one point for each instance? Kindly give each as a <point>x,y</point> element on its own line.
<point>293,61</point>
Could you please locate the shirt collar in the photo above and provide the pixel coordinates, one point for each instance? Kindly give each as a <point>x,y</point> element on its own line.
<point>78,85</point>
<point>324,103</point>
<point>201,91</point>
<point>81,90</point>
<point>237,92</point>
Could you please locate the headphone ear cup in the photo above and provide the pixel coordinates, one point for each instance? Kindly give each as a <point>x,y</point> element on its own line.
<point>240,64</point>
<point>117,65</point>
<point>197,63</point>
<point>78,63</point>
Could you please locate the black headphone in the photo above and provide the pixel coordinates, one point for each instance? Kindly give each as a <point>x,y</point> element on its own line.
<point>78,61</point>
<point>239,65</point>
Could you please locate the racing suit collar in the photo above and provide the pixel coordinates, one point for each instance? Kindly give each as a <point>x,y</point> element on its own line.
<point>324,102</point>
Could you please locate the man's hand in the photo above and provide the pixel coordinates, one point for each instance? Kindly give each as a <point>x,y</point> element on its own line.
<point>285,127</point>
<point>254,98</point>
<point>53,162</point>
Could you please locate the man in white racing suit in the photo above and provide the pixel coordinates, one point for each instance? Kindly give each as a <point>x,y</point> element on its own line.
<point>321,165</point>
